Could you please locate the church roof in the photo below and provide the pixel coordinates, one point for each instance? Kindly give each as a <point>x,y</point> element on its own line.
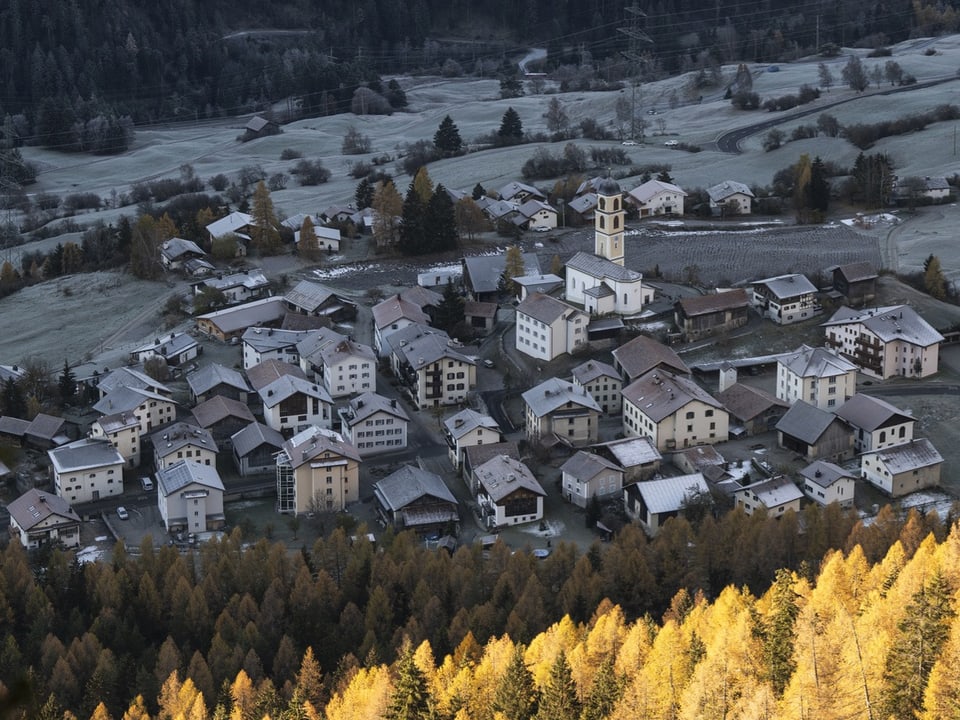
<point>601,268</point>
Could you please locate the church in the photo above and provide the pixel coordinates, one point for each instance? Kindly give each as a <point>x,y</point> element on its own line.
<point>599,281</point>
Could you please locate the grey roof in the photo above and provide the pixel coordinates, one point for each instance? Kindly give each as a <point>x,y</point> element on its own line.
<point>544,308</point>
<point>132,378</point>
<point>180,475</point>
<point>599,291</point>
<point>500,476</point>
<point>35,506</point>
<point>787,286</point>
<point>554,393</point>
<point>117,422</point>
<point>824,473</point>
<point>701,456</point>
<point>253,436</point>
<point>333,353</point>
<point>539,283</point>
<point>936,183</point>
<point>870,413</point>
<point>584,203</point>
<point>806,422</point>
<point>396,308</point>
<point>659,394</point>
<point>856,272</point>
<point>512,189</point>
<point>266,339</point>
<point>532,207</point>
<point>421,297</point>
<point>210,412</point>
<point>600,267</point>
<point>720,192</point>
<point>816,362</point>
<point>479,454</point>
<point>474,308</point>
<point>651,188</point>
<point>910,456</point>
<point>586,465</point>
<point>84,454</point>
<point>369,403</point>
<point>229,224</point>
<point>171,346</point>
<point>643,354</point>
<point>316,340</point>
<point>484,271</point>
<point>251,280</point>
<point>262,374</point>
<point>126,399</point>
<point>714,302</point>
<point>593,369</point>
<point>895,322</point>
<point>266,310</point>
<point>45,427</point>
<point>171,438</point>
<point>669,494</point>
<point>427,349</point>
<point>633,451</point>
<point>396,340</point>
<point>175,248</point>
<point>745,402</point>
<point>13,426</point>
<point>410,483</point>
<point>467,420</point>
<point>11,372</point>
<point>289,385</point>
<point>313,442</point>
<point>210,376</point>
<point>309,296</point>
<point>775,491</point>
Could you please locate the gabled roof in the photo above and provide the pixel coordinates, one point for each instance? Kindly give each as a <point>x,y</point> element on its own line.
<point>268,371</point>
<point>428,349</point>
<point>484,271</point>
<point>175,436</point>
<point>720,192</point>
<point>36,506</point>
<point>670,494</point>
<point>44,427</point>
<point>894,322</point>
<point>408,484</point>
<point>170,346</point>
<point>585,466</point>
<point>126,399</point>
<point>180,475</point>
<point>512,189</point>
<point>421,297</point>
<point>553,394</point>
<point>817,362</point>
<point>701,457</point>
<point>745,402</point>
<point>315,341</point>
<point>806,422</point>
<point>289,385</point>
<point>651,188</point>
<point>251,280</point>
<point>266,310</point>
<point>593,369</point>
<point>715,302</point>
<point>633,451</point>
<point>910,456</point>
<point>229,224</point>
<point>857,272</point>
<point>118,421</point>
<point>253,436</point>
<point>477,455</point>
<point>396,341</point>
<point>643,354</point>
<point>84,454</point>
<point>775,491</point>
<point>334,353</point>
<point>602,268</point>
<point>532,207</point>
<point>787,286</point>
<point>824,473</point>
<point>546,309</point>
<point>870,413</point>
<point>309,296</point>
<point>474,308</point>
<point>501,476</point>
<point>12,426</point>
<point>659,394</point>
<point>396,308</point>
<point>210,412</point>
<point>263,340</point>
<point>132,378</point>
<point>539,283</point>
<point>468,420</point>
<point>176,248</point>
<point>311,444</point>
<point>210,376</point>
<point>584,203</point>
<point>369,403</point>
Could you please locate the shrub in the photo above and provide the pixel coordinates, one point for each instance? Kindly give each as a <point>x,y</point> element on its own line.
<point>880,52</point>
<point>592,130</point>
<point>360,169</point>
<point>609,156</point>
<point>688,147</point>
<point>310,172</point>
<point>802,132</point>
<point>290,154</point>
<point>47,201</point>
<point>773,140</point>
<point>355,142</point>
<point>218,182</point>
<point>81,201</point>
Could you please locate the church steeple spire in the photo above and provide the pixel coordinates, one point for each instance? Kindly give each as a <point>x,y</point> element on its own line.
<point>608,221</point>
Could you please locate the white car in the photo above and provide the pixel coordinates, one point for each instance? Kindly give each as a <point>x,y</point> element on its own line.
<point>122,513</point>
<point>541,228</point>
<point>629,143</point>
<point>671,143</point>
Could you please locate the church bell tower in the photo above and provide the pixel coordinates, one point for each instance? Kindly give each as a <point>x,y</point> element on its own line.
<point>608,221</point>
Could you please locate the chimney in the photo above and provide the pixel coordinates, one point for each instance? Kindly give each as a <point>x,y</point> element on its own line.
<point>393,403</point>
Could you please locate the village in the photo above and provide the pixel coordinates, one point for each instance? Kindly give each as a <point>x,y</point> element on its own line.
<point>498,397</point>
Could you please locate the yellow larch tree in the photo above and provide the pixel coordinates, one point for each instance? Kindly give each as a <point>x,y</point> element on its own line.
<point>603,640</point>
<point>100,712</point>
<point>481,689</point>
<point>941,701</point>
<point>137,710</point>
<point>365,697</point>
<point>544,649</point>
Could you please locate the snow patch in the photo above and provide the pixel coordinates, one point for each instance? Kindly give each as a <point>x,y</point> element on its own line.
<point>89,554</point>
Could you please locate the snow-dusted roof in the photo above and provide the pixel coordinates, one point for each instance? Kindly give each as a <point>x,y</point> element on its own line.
<point>187,472</point>
<point>774,492</point>
<point>910,456</point>
<point>633,451</point>
<point>467,420</point>
<point>719,193</point>
<point>651,188</point>
<point>554,393</point>
<point>787,286</point>
<point>229,224</point>
<point>602,268</point>
<point>545,308</point>
<point>870,413</point>
<point>501,476</point>
<point>659,394</point>
<point>894,322</point>
<point>816,362</point>
<point>670,494</point>
<point>824,473</point>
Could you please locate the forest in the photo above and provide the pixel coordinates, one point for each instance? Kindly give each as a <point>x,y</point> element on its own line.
<point>745,600</point>
<point>78,76</point>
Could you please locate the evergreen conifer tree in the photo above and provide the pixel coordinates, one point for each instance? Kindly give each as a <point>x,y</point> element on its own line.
<point>447,138</point>
<point>559,699</point>
<point>516,696</point>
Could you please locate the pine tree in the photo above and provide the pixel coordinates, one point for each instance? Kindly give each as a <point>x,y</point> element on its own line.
<point>309,246</point>
<point>778,631</point>
<point>511,128</point>
<point>478,191</point>
<point>264,234</point>
<point>447,138</point>
<point>440,223</point>
<point>310,679</point>
<point>516,696</point>
<point>413,227</point>
<point>604,694</point>
<point>450,311</point>
<point>67,384</point>
<point>818,192</point>
<point>14,402</point>
<point>410,700</point>
<point>363,195</point>
<point>559,699</point>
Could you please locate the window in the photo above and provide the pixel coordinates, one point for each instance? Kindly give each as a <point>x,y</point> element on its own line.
<point>690,415</point>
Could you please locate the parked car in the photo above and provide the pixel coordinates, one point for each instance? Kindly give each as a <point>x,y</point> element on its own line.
<point>488,363</point>
<point>630,143</point>
<point>146,483</point>
<point>541,228</point>
<point>122,513</point>
<point>671,143</point>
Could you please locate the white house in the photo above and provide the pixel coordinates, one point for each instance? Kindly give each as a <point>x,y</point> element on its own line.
<point>786,299</point>
<point>236,223</point>
<point>435,371</point>
<point>548,328</point>
<point>656,197</point>
<point>816,375</point>
<point>292,403</point>
<point>348,368</point>
<point>558,411</point>
<point>122,430</point>
<point>776,495</point>
<point>602,381</point>
<point>175,348</point>
<point>150,409</point>
<point>586,476</point>
<point>86,470</point>
<point>825,483</point>
<point>730,198</point>
<point>886,342</point>
<point>237,287</point>
<point>653,502</point>
<point>183,441</point>
<point>38,518</point>
<point>374,424</point>
<point>538,214</point>
<point>392,314</point>
<point>260,344</point>
<point>902,469</point>
<point>190,497</point>
<point>876,423</point>
<point>508,494</point>
<point>468,428</point>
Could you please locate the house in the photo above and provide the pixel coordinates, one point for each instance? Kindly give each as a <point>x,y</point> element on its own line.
<point>151,410</point>
<point>216,379</point>
<point>435,371</point>
<point>122,430</point>
<point>653,502</point>
<point>902,469</point>
<point>753,409</point>
<point>259,126</point>
<point>876,423</point>
<point>548,328</point>
<point>268,371</point>
<point>348,368</point>
<point>775,495</point>
<point>519,193</point>
<point>439,278</point>
<point>223,417</point>
<point>190,497</point>
<point>374,424</point>
<point>602,381</point>
<point>581,208</point>
<point>175,348</point>
<point>586,476</point>
<point>467,428</point>
<point>310,347</point>
<point>176,251</point>
<point>261,344</point>
<point>603,287</point>
<point>312,298</point>
<point>231,322</point>
<point>857,282</point>
<point>816,375</point>
<point>558,411</point>
<point>86,470</point>
<point>656,197</point>
<point>294,404</point>
<point>886,342</point>
<point>536,214</point>
<point>548,284</point>
<point>480,317</point>
<point>705,315</point>
<point>508,493</point>
<point>825,483</point>
<point>730,198</point>
<point>130,377</point>
<point>475,456</point>
<point>183,441</point>
<point>482,274</point>
<point>393,314</point>
<point>673,411</point>
<point>236,223</point>
<point>703,459</point>
<point>13,430</point>
<point>415,499</point>
<point>317,470</point>
<point>815,434</point>
<point>498,211</point>
<point>396,342</point>
<point>45,431</point>
<point>328,238</point>
<point>786,299</point>
<point>427,300</point>
<point>255,448</point>
<point>643,354</point>
<point>236,288</point>
<point>38,518</point>
<point>638,456</point>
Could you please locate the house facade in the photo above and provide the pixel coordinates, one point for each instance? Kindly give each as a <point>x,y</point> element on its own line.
<point>122,430</point>
<point>556,410</point>
<point>902,469</point>
<point>730,198</point>
<point>786,299</point>
<point>602,382</point>
<point>86,470</point>
<point>706,315</point>
<point>586,476</point>
<point>815,434</point>
<point>656,197</point>
<point>190,497</point>
<point>175,348</point>
<point>348,368</point>
<point>255,448</point>
<point>435,371</point>
<point>317,470</point>
<point>548,328</point>
<point>393,314</point>
<point>508,494</point>
<point>150,409</point>
<point>468,428</point>
<point>817,376</point>
<point>183,441</point>
<point>262,344</point>
<point>857,282</point>
<point>293,404</point>
<point>750,408</point>
<point>374,424</point>
<point>876,423</point>
<point>38,518</point>
<point>776,496</point>
<point>826,483</point>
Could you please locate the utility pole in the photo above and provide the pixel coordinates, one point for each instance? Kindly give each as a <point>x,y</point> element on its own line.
<point>637,39</point>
